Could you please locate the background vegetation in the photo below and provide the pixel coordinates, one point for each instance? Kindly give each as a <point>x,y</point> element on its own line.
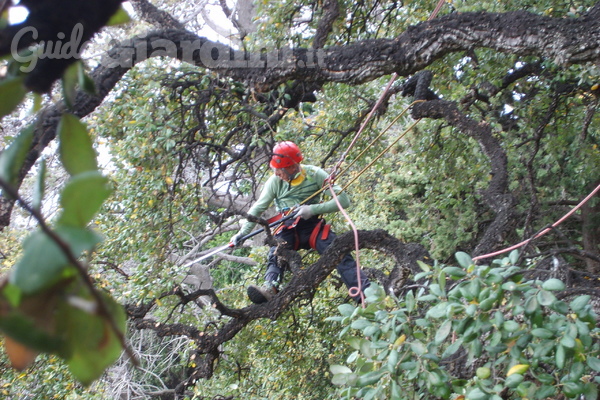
<point>157,161</point>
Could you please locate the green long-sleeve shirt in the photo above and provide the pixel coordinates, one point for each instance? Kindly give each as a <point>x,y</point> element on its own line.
<point>286,196</point>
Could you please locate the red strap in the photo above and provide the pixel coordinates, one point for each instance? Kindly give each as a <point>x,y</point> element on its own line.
<point>275,218</point>
<point>313,236</point>
<point>326,230</point>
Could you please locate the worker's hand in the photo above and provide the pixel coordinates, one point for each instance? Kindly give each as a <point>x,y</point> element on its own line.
<point>304,212</point>
<point>237,239</point>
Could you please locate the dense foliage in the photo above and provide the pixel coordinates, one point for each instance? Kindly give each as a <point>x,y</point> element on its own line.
<point>158,161</point>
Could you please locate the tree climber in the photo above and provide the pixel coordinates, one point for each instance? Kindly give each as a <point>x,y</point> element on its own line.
<point>291,184</point>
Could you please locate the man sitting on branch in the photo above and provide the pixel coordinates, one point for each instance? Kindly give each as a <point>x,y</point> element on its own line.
<point>297,188</point>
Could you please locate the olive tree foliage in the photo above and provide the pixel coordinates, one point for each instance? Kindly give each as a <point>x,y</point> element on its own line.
<point>507,141</point>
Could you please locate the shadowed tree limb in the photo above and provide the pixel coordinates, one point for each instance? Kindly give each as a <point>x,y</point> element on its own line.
<point>303,280</point>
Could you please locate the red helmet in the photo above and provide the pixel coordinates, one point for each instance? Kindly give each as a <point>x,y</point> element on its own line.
<point>285,154</point>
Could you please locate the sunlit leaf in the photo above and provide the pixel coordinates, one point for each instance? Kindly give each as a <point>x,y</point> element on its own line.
<point>118,18</point>
<point>76,151</point>
<point>82,198</point>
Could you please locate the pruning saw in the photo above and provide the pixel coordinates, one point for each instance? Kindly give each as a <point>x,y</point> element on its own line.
<point>230,244</point>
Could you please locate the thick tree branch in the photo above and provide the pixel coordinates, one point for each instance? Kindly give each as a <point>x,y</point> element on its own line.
<point>302,281</point>
<point>519,33</point>
<point>159,18</point>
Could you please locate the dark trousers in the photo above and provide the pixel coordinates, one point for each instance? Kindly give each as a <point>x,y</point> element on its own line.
<point>301,233</point>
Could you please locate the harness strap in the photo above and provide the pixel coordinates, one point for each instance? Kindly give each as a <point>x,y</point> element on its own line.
<point>315,233</point>
<point>276,218</point>
<point>326,230</point>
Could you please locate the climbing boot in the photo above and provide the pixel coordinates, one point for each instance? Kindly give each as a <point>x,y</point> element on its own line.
<point>261,294</point>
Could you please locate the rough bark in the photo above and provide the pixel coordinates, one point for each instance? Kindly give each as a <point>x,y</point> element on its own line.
<point>519,33</point>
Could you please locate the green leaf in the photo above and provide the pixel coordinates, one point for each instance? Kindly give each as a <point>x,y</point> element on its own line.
<point>542,333</point>
<point>513,257</point>
<point>86,83</point>
<point>590,391</point>
<point>82,198</point>
<point>546,391</point>
<point>560,307</point>
<point>531,305</point>
<point>12,92</point>
<point>580,302</point>
<point>464,260</point>
<point>13,157</point>
<point>69,84</point>
<point>572,389</point>
<point>38,193</point>
<point>436,378</point>
<point>43,262</point>
<point>13,294</point>
<point>94,346</point>
<point>514,380</point>
<point>360,324</point>
<point>438,311</point>
<point>410,302</point>
<point>443,331</point>
<point>24,331</point>
<point>455,272</point>
<point>453,348</point>
<point>369,378</point>
<point>487,304</point>
<point>567,341</point>
<point>510,286</point>
<point>553,284</point>
<point>418,348</point>
<point>545,297</point>
<point>423,266</point>
<point>560,356</point>
<point>396,391</point>
<point>392,360</point>
<point>119,18</point>
<point>477,394</point>
<point>346,309</point>
<point>76,150</point>
<point>593,363</point>
<point>510,326</point>
<point>339,369</point>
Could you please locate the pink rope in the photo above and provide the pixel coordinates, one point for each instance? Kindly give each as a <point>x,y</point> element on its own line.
<point>543,232</point>
<point>353,291</point>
